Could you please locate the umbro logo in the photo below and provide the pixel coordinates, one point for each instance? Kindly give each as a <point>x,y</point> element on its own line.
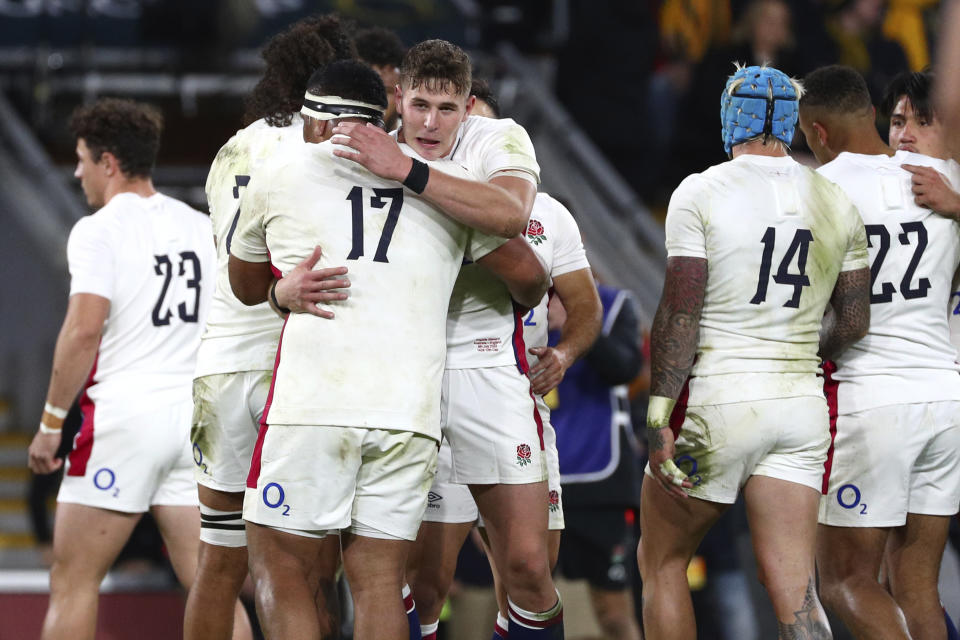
<point>434,497</point>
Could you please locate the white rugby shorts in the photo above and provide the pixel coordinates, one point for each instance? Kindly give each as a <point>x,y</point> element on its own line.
<point>721,446</point>
<point>315,480</point>
<point>453,503</point>
<point>889,461</point>
<point>226,417</point>
<point>495,431</point>
<point>127,460</point>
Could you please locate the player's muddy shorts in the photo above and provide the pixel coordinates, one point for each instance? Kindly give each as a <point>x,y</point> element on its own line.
<point>315,480</point>
<point>226,417</point>
<point>721,446</point>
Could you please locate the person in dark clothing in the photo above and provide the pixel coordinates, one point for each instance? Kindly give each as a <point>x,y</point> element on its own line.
<point>599,468</point>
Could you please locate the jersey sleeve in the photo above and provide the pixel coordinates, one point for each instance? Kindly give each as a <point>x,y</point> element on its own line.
<point>856,256</point>
<point>481,244</point>
<point>90,258</point>
<point>685,231</point>
<point>568,254</point>
<point>509,151</point>
<point>249,240</point>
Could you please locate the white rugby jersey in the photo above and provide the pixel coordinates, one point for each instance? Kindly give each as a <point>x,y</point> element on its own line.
<point>238,337</point>
<point>775,235</point>
<point>379,363</point>
<point>554,236</point>
<point>153,259</point>
<point>906,355</point>
<point>483,327</point>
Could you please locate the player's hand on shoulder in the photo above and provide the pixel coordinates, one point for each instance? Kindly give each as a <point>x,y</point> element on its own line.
<point>549,370</point>
<point>41,456</point>
<point>932,190</point>
<point>304,287</point>
<point>373,148</point>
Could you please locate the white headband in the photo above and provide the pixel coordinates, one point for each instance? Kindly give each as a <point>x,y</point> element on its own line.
<point>335,107</point>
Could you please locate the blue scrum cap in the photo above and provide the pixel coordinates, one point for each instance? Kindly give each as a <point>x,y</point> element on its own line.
<point>758,101</point>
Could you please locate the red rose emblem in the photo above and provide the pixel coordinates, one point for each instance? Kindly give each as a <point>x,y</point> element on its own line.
<point>553,500</point>
<point>523,454</point>
<point>534,228</point>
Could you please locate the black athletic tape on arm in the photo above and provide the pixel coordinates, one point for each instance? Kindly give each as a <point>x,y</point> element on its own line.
<point>416,180</point>
<point>273,297</point>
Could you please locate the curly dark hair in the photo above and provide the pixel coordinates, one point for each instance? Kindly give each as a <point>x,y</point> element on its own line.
<point>350,79</point>
<point>437,65</point>
<point>127,129</point>
<point>379,47</point>
<point>291,57</point>
<point>482,91</point>
<point>917,86</point>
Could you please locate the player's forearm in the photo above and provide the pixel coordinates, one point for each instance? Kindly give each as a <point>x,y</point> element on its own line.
<point>676,326</point>
<point>529,291</point>
<point>581,328</point>
<point>484,206</point>
<point>73,359</point>
<point>848,317</point>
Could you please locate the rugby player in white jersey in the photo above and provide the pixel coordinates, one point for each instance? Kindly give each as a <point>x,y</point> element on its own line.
<point>352,424</point>
<point>239,345</point>
<point>893,471</point>
<point>757,247</point>
<point>141,274</point>
<point>490,417</point>
<point>451,511</point>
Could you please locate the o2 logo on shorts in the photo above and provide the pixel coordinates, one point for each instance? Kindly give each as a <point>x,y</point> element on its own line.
<point>105,480</point>
<point>198,458</point>
<point>848,496</point>
<point>695,478</point>
<point>273,497</point>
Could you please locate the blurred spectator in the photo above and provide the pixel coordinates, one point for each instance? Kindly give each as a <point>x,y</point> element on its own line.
<point>905,23</point>
<point>383,50</point>
<point>763,34</point>
<point>599,467</point>
<point>688,28</point>
<point>854,29</point>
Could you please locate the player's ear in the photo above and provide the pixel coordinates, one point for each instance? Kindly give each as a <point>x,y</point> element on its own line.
<point>110,162</point>
<point>472,100</point>
<point>821,133</point>
<point>398,98</point>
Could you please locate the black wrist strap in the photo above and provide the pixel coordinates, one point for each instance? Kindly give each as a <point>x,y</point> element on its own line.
<point>416,180</point>
<point>273,298</point>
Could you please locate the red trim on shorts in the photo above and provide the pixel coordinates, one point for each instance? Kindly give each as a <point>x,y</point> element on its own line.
<point>538,420</point>
<point>408,603</point>
<point>83,443</point>
<point>254,475</point>
<point>679,413</point>
<point>536,624</point>
<point>519,347</point>
<point>273,381</point>
<point>830,388</point>
<point>497,629</point>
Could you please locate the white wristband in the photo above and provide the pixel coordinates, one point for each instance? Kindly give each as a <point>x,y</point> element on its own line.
<point>56,412</point>
<point>44,429</point>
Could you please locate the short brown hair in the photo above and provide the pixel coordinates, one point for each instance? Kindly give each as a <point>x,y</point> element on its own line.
<point>438,66</point>
<point>127,129</point>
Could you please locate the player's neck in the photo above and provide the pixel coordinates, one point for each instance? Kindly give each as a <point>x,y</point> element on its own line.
<point>757,148</point>
<point>866,141</point>
<point>142,187</point>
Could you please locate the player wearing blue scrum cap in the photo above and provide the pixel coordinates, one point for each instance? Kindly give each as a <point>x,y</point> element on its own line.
<point>756,248</point>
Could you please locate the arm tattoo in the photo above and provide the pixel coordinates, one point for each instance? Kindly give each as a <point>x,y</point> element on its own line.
<point>654,439</point>
<point>810,621</point>
<point>676,326</point>
<point>849,317</point>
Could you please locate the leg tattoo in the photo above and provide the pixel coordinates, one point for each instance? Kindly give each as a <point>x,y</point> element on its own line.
<point>808,621</point>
